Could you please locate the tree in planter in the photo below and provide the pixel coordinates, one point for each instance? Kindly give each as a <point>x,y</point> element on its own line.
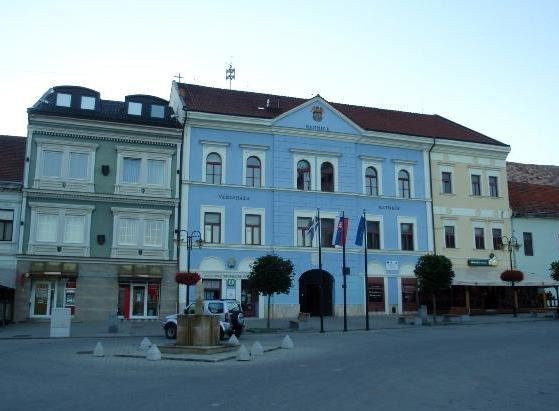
<point>269,275</point>
<point>434,273</point>
<point>554,268</point>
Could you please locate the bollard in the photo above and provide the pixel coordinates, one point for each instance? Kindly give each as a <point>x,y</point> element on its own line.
<point>145,344</point>
<point>233,340</point>
<point>243,354</point>
<point>99,351</point>
<point>286,343</point>
<point>153,353</point>
<point>256,350</point>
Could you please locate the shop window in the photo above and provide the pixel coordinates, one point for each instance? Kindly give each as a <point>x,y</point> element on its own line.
<point>138,300</point>
<point>212,289</point>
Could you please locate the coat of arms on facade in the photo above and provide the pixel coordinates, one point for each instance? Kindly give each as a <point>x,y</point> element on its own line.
<point>317,113</point>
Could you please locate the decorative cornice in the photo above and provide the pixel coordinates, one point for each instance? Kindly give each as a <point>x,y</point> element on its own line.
<point>95,260</point>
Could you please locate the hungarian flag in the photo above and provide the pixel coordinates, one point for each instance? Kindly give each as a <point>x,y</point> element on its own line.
<point>341,231</point>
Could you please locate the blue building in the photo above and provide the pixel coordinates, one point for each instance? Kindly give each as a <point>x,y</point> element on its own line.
<point>256,167</point>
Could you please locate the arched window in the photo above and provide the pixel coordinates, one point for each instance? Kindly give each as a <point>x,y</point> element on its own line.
<point>404,184</point>
<point>253,172</point>
<point>303,175</point>
<point>327,176</point>
<point>371,181</point>
<point>213,168</point>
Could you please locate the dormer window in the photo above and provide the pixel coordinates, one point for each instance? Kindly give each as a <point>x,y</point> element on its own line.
<point>88,103</point>
<point>157,111</point>
<point>135,108</point>
<point>63,99</point>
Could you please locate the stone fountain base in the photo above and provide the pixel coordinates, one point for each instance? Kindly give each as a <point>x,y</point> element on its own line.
<point>197,330</point>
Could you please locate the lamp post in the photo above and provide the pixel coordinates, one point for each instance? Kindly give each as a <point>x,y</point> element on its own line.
<point>511,244</point>
<point>189,238</point>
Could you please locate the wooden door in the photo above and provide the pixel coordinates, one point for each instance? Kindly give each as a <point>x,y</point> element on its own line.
<point>375,294</point>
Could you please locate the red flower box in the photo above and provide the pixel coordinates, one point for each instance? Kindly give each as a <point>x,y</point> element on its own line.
<point>512,276</point>
<point>187,278</point>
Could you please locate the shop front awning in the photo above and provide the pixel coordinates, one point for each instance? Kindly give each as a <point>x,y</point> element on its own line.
<point>54,268</point>
<point>484,276</point>
<point>140,272</point>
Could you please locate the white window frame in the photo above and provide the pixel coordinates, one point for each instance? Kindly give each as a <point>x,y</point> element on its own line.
<point>410,220</point>
<point>453,223</point>
<point>142,215</point>
<point>250,151</point>
<point>380,219</point>
<point>61,211</point>
<point>377,164</point>
<point>13,237</point>
<point>214,209</point>
<point>220,148</point>
<point>60,96</point>
<point>143,187</point>
<point>493,173</point>
<point>312,163</point>
<point>500,226</point>
<point>318,163</point>
<point>64,182</point>
<point>482,188</point>
<point>447,169</point>
<point>312,214</point>
<point>407,166</point>
<point>262,213</point>
<point>85,99</point>
<point>477,224</point>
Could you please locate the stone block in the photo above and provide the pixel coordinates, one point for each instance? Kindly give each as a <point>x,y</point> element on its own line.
<point>243,354</point>
<point>153,353</point>
<point>287,343</point>
<point>60,322</point>
<point>233,340</point>
<point>256,350</point>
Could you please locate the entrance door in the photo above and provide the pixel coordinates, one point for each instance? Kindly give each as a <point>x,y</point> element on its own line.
<point>249,299</point>
<point>138,300</point>
<point>409,294</point>
<point>375,294</point>
<point>41,299</point>
<point>309,292</point>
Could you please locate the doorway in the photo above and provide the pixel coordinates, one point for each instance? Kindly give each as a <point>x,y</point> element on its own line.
<point>249,299</point>
<point>41,300</point>
<point>309,292</point>
<point>375,294</point>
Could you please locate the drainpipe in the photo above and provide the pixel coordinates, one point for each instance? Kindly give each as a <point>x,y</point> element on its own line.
<point>432,205</point>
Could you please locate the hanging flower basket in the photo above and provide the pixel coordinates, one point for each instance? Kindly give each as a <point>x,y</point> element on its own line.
<point>512,276</point>
<point>187,278</point>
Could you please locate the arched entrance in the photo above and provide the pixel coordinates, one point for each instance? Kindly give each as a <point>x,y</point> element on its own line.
<point>309,292</point>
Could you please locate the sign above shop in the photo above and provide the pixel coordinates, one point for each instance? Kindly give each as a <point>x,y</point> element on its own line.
<point>483,262</point>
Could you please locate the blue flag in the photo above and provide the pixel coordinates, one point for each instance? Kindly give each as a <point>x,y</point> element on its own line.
<point>360,231</point>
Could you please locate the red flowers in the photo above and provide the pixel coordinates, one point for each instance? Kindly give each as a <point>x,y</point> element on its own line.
<point>187,278</point>
<point>512,276</point>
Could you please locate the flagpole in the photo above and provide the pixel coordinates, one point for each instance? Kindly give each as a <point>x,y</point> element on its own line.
<point>321,285</point>
<point>344,270</point>
<point>366,275</point>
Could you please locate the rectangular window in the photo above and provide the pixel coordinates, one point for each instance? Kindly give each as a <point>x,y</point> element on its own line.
<point>128,231</point>
<point>47,227</point>
<point>52,163</point>
<point>131,169</point>
<point>134,108</point>
<point>212,289</point>
<point>74,227</point>
<point>153,233</point>
<point>326,232</point>
<point>449,236</point>
<point>406,232</point>
<point>447,182</point>
<point>156,172</point>
<point>88,103</point>
<point>497,234</point>
<point>212,228</point>
<point>63,99</point>
<point>528,244</point>
<point>78,166</point>
<point>493,186</point>
<point>252,229</point>
<point>373,235</point>
<point>157,111</point>
<point>479,238</point>
<point>6,225</point>
<point>476,184</point>
<point>303,224</point>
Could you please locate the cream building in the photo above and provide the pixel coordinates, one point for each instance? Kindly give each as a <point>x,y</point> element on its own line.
<point>471,214</point>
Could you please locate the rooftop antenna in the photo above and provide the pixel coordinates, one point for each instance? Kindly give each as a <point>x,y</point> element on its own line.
<point>178,76</point>
<point>230,74</point>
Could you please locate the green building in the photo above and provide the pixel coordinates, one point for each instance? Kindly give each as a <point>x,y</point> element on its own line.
<point>100,206</point>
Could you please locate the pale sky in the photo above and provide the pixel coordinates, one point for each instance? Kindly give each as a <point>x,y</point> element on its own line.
<point>490,65</point>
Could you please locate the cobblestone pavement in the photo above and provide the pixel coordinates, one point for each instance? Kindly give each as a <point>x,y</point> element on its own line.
<point>510,366</point>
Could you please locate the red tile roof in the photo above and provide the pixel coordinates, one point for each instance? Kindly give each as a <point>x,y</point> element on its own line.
<point>249,104</point>
<point>533,199</point>
<point>12,158</point>
<point>533,173</point>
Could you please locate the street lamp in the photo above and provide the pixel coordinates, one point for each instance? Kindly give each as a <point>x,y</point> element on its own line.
<point>190,239</point>
<point>511,244</point>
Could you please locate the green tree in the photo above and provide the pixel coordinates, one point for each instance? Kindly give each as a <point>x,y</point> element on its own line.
<point>434,273</point>
<point>554,268</point>
<point>269,275</point>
